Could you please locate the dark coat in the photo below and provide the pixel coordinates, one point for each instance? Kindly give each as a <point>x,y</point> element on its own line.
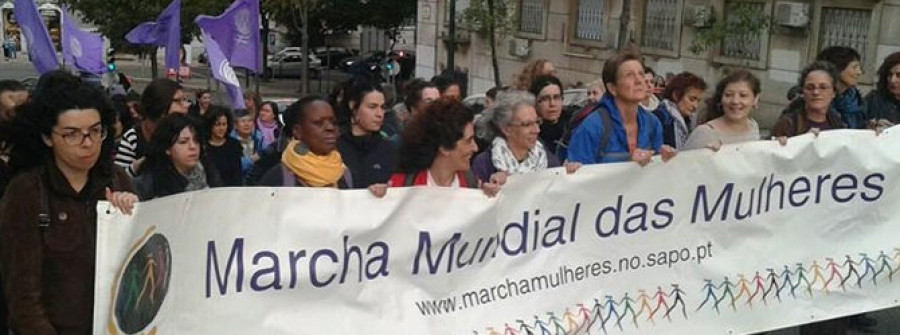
<point>280,176</point>
<point>371,159</point>
<point>49,272</point>
<point>163,180</point>
<point>881,106</point>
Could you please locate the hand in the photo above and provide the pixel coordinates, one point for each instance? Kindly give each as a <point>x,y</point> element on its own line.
<point>136,165</point>
<point>490,189</point>
<point>499,178</point>
<point>642,156</point>
<point>571,167</point>
<point>254,157</point>
<point>378,190</point>
<point>782,140</point>
<point>815,132</point>
<point>715,147</point>
<point>667,152</point>
<point>123,201</point>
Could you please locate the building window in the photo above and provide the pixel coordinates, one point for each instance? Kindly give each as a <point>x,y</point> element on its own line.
<point>740,45</point>
<point>845,27</point>
<point>532,19</point>
<point>660,25</point>
<point>589,24</point>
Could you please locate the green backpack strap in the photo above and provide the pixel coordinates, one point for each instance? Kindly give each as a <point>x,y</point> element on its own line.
<point>471,181</point>
<point>410,179</point>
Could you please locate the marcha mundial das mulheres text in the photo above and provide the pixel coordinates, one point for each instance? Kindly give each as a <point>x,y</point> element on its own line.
<point>263,270</point>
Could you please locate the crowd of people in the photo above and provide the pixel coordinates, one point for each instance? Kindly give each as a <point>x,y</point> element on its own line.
<point>67,145</point>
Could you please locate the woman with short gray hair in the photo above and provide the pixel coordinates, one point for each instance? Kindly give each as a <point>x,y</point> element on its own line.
<point>511,126</point>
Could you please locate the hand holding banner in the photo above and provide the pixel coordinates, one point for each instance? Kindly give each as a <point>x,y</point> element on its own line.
<point>751,238</point>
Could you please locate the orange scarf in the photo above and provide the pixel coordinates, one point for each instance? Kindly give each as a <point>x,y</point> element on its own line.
<point>313,170</point>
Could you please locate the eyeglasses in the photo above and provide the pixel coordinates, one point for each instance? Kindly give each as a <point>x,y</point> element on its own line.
<point>527,124</point>
<point>821,87</point>
<point>96,134</point>
<point>548,98</point>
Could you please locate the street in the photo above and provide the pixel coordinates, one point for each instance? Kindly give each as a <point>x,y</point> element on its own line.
<point>20,69</point>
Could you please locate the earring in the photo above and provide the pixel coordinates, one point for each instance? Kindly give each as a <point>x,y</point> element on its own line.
<point>301,148</point>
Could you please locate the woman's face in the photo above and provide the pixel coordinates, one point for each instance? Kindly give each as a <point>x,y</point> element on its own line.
<point>318,130</point>
<point>549,103</point>
<point>738,100</point>
<point>894,81</point>
<point>548,70</point>
<point>205,100</point>
<point>250,104</point>
<point>689,101</point>
<point>76,139</point>
<point>369,114</point>
<point>523,129</point>
<point>850,75</point>
<point>185,152</point>
<point>180,103</point>
<point>452,92</point>
<point>461,155</point>
<point>818,91</point>
<point>594,94</point>
<point>244,125</point>
<point>266,114</point>
<point>220,128</point>
<point>631,85</point>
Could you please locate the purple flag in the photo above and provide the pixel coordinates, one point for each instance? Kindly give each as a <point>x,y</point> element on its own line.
<point>237,33</point>
<point>223,71</point>
<point>40,48</point>
<point>81,48</point>
<point>165,32</point>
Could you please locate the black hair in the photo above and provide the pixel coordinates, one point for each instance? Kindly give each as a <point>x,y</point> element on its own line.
<point>884,73</point>
<point>441,125</point>
<point>492,92</point>
<point>275,111</point>
<point>213,115</point>
<point>839,56</point>
<point>543,81</point>
<point>11,85</point>
<point>122,112</point>
<point>414,91</point>
<point>355,94</point>
<point>157,98</point>
<point>164,137</point>
<point>296,112</point>
<point>56,93</point>
<point>443,82</point>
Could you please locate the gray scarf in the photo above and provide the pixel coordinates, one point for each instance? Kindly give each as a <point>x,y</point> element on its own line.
<point>196,179</point>
<point>682,130</point>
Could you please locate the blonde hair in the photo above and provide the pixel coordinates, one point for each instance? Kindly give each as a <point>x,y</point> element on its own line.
<point>531,71</point>
<point>596,83</point>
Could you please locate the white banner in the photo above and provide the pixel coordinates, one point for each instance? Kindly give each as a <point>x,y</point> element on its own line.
<point>751,238</point>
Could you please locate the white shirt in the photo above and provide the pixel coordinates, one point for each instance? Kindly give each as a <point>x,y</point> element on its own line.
<point>454,183</point>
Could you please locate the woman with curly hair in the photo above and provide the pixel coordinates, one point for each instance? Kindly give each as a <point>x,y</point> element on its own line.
<point>63,163</point>
<point>437,149</point>
<point>533,70</point>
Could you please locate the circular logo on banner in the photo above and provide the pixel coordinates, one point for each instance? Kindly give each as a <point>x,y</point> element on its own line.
<point>242,24</point>
<point>228,73</point>
<point>142,285</point>
<point>75,45</point>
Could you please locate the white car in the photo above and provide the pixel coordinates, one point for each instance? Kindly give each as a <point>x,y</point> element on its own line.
<point>282,52</point>
<point>290,65</point>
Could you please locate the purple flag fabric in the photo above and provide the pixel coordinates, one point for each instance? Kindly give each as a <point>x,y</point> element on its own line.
<point>223,71</point>
<point>237,33</point>
<point>165,32</point>
<point>40,48</point>
<point>81,48</point>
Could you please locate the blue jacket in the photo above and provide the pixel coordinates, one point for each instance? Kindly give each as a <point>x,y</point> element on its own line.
<point>586,138</point>
<point>246,161</point>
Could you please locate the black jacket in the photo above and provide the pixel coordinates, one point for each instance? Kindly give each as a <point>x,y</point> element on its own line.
<point>881,106</point>
<point>163,180</point>
<point>371,158</point>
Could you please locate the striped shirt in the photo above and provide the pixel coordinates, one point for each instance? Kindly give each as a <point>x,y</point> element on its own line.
<point>131,148</point>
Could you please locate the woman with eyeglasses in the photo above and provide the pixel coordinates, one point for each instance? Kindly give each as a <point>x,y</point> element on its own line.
<point>161,97</point>
<point>175,161</point>
<point>819,84</point>
<point>48,220</point>
<point>549,105</point>
<point>511,126</point>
